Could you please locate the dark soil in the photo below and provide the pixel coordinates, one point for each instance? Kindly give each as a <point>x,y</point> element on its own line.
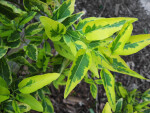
<point>80,100</point>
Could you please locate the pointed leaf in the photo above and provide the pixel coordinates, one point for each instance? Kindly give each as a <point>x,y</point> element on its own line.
<point>119,42</point>
<point>104,28</point>
<point>32,52</point>
<point>119,105</point>
<point>135,44</point>
<point>78,70</point>
<point>14,36</point>
<point>31,84</point>
<point>47,48</point>
<point>73,18</point>
<point>146,95</point>
<point>15,106</point>
<point>37,5</point>
<point>3,82</point>
<point>129,108</point>
<point>3,98</point>
<point>5,71</point>
<point>4,91</point>
<point>107,108</point>
<point>93,90</point>
<point>70,44</point>
<point>31,101</point>
<point>65,10</point>
<point>33,29</point>
<point>108,82</point>
<point>141,105</point>
<point>24,107</point>
<point>27,17</point>
<point>3,51</point>
<point>53,29</point>
<point>4,20</point>
<point>65,51</point>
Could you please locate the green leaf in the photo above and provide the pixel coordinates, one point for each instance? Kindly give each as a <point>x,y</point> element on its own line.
<point>99,81</point>
<point>119,105</point>
<point>65,10</point>
<point>146,95</point>
<point>14,44</point>
<point>71,19</point>
<point>93,90</point>
<point>79,68</point>
<point>10,10</point>
<point>37,5</point>
<point>3,51</point>
<point>5,31</point>
<point>107,108</point>
<point>32,29</point>
<point>4,91</point>
<point>59,81</point>
<point>123,91</point>
<point>3,98</point>
<point>119,42</point>
<point>14,36</point>
<point>141,105</point>
<point>62,48</point>
<point>47,48</point>
<point>27,17</point>
<point>31,84</point>
<point>5,71</point>
<point>32,52</point>
<point>53,29</point>
<point>135,44</point>
<point>104,28</point>
<point>31,101</point>
<point>108,82</point>
<point>15,106</point>
<point>3,82</point>
<point>129,108</point>
<point>4,20</point>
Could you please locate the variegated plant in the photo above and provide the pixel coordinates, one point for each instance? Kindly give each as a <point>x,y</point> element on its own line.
<point>92,44</point>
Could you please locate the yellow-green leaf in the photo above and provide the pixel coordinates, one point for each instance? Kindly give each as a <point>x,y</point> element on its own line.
<point>109,86</point>
<point>141,105</point>
<point>53,29</point>
<point>31,101</point>
<point>79,68</point>
<point>31,84</point>
<point>3,98</point>
<point>117,45</point>
<point>129,108</point>
<point>119,105</point>
<point>135,44</point>
<point>3,82</point>
<point>65,10</point>
<point>104,28</point>
<point>107,108</point>
<point>24,107</point>
<point>93,90</point>
<point>15,106</point>
<point>4,91</point>
<point>70,43</point>
<point>123,91</point>
<point>63,49</point>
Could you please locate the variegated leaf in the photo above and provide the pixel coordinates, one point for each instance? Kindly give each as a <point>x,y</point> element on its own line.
<point>3,51</point>
<point>53,29</point>
<point>64,11</point>
<point>73,18</point>
<point>63,49</point>
<point>70,43</point>
<point>31,84</point>
<point>93,90</point>
<point>116,64</point>
<point>14,36</point>
<point>135,44</point>
<point>117,45</point>
<point>32,29</point>
<point>37,5</point>
<point>107,108</point>
<point>4,20</point>
<point>14,44</point>
<point>146,95</point>
<point>82,23</point>
<point>15,106</point>
<point>119,105</point>
<point>5,71</point>
<point>109,86</point>
<point>104,28</point>
<point>79,68</point>
<point>24,107</point>
<point>31,101</point>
